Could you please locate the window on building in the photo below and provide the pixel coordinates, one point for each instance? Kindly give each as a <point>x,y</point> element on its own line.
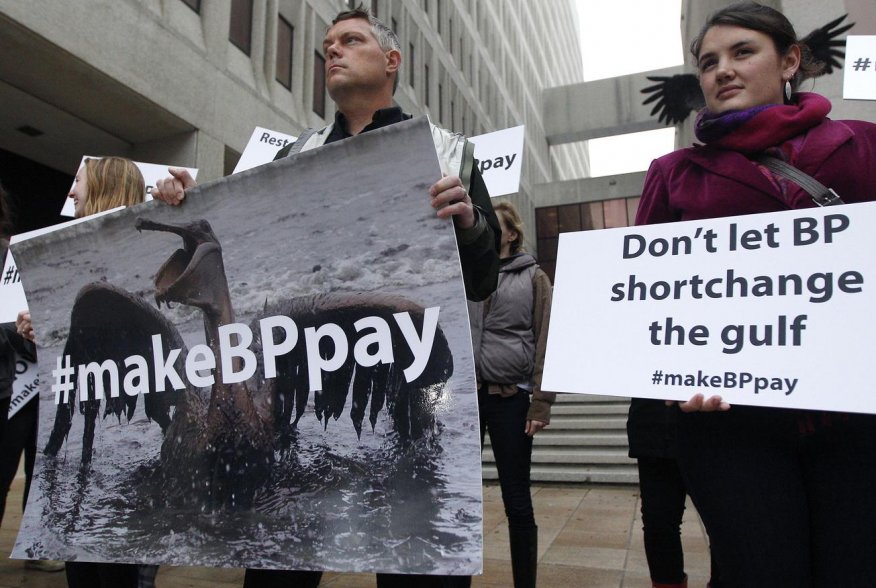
<point>426,84</point>
<point>319,84</point>
<point>285,35</point>
<point>374,8</point>
<point>450,36</point>
<point>193,4</point>
<point>438,16</point>
<point>240,31</point>
<point>393,24</point>
<point>551,221</point>
<point>440,102</point>
<point>411,64</point>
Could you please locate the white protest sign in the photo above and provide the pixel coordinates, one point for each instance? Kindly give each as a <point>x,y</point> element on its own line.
<point>12,299</point>
<point>152,172</point>
<point>26,384</point>
<point>771,309</point>
<point>499,156</point>
<point>262,147</point>
<point>11,293</point>
<point>859,77</point>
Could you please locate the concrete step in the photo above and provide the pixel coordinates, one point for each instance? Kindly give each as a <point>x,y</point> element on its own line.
<point>613,408</point>
<point>585,443</point>
<point>576,422</point>
<point>578,439</point>
<point>578,474</point>
<point>573,455</point>
<point>590,399</point>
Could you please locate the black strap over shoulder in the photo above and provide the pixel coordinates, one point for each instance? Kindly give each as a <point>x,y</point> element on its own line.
<point>821,194</point>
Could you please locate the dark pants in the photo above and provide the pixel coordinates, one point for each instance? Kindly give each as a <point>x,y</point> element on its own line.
<point>505,420</point>
<point>101,575</point>
<point>303,579</point>
<point>663,494</point>
<point>788,497</point>
<point>19,436</point>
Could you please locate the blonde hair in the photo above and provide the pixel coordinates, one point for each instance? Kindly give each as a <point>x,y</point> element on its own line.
<point>112,182</point>
<point>512,219</point>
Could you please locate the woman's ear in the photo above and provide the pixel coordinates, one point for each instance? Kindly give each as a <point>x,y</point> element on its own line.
<point>791,63</point>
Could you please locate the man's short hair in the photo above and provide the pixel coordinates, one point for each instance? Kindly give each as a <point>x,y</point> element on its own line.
<point>386,37</point>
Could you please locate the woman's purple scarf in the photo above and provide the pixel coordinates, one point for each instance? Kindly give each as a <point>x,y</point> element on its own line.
<point>760,127</point>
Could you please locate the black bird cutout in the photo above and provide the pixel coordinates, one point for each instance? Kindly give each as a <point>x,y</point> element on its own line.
<point>677,96</point>
<point>227,433</point>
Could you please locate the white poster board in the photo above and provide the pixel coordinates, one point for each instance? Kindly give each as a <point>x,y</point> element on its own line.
<point>262,147</point>
<point>859,76</point>
<point>771,310</point>
<point>11,293</point>
<point>152,172</point>
<point>499,156</point>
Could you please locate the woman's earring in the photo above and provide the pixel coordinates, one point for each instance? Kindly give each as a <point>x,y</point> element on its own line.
<point>787,91</point>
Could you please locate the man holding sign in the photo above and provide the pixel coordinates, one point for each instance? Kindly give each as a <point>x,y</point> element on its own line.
<point>363,58</point>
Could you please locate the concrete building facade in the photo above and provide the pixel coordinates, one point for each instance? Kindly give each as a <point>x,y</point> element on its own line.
<point>184,82</point>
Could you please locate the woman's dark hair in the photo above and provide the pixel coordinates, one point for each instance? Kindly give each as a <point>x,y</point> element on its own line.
<point>766,20</point>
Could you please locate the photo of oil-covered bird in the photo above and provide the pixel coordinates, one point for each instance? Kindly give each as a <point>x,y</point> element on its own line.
<point>229,433</point>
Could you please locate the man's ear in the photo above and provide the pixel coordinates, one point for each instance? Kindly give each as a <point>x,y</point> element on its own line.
<point>393,61</point>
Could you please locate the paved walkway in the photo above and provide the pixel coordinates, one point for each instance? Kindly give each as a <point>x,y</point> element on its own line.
<point>589,537</point>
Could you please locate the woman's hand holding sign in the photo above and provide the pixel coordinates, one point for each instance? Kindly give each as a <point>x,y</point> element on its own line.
<point>699,403</point>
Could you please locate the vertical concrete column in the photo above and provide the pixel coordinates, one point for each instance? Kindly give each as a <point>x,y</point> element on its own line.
<point>209,157</point>
<point>216,19</point>
<point>258,51</point>
<point>269,58</point>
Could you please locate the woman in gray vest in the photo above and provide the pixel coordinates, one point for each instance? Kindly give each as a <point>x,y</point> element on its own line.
<point>509,334</point>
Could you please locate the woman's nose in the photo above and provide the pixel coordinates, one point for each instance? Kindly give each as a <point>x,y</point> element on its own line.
<point>723,71</point>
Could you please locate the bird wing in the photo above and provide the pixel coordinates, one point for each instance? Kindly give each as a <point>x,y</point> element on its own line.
<point>826,47</point>
<point>108,323</point>
<point>373,388</point>
<point>675,96</point>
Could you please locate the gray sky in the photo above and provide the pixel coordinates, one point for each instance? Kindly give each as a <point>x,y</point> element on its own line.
<point>620,38</point>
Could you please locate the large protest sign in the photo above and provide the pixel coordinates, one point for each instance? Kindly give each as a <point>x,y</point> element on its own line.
<point>296,340</point>
<point>152,172</point>
<point>771,310</point>
<point>859,75</point>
